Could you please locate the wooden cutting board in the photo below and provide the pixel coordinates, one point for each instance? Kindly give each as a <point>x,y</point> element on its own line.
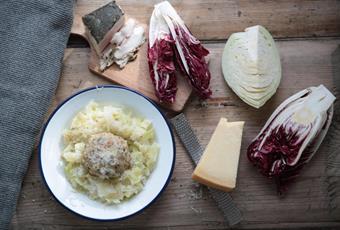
<point>135,74</point>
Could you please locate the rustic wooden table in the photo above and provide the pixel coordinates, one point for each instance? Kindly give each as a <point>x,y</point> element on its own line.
<point>307,34</point>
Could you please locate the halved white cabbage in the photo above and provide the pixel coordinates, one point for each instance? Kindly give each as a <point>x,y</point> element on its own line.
<point>251,65</point>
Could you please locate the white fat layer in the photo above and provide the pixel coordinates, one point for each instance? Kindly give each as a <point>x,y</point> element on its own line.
<point>125,45</point>
<point>130,44</point>
<point>126,32</point>
<point>128,28</point>
<point>117,38</point>
<point>107,59</point>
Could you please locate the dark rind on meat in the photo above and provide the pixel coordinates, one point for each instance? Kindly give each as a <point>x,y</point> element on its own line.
<point>100,21</point>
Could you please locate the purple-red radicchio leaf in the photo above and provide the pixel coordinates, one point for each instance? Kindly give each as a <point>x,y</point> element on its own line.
<point>190,54</point>
<point>161,59</point>
<point>197,68</point>
<point>292,135</point>
<point>162,69</point>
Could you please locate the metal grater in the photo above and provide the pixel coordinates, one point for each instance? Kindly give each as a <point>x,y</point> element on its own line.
<point>193,147</point>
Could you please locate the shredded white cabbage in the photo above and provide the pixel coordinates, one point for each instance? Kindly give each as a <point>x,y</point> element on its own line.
<point>137,131</point>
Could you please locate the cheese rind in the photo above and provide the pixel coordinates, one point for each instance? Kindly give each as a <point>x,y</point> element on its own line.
<point>218,165</point>
<point>102,24</point>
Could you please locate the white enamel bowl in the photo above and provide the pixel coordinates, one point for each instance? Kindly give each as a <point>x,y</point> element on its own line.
<point>51,146</point>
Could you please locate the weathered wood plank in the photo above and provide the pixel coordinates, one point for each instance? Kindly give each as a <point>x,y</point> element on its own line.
<point>184,204</point>
<point>217,19</point>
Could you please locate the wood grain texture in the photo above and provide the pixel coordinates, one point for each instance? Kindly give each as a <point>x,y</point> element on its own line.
<point>135,75</point>
<point>217,19</point>
<point>185,204</point>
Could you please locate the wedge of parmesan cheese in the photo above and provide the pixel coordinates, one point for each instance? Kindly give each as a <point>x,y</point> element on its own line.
<point>218,165</point>
<point>102,24</point>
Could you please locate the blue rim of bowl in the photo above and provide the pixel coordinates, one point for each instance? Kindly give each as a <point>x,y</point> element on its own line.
<point>94,88</point>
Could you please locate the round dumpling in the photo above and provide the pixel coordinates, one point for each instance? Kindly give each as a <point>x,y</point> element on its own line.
<point>106,155</point>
